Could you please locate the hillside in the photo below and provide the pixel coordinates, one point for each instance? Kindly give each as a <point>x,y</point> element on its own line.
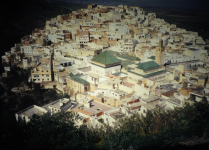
<point>23,16</point>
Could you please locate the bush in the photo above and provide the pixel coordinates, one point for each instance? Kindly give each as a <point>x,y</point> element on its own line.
<point>50,94</point>
<point>27,101</point>
<point>56,131</point>
<point>159,129</point>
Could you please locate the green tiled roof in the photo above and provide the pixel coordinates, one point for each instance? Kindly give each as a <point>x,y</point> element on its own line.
<point>152,57</point>
<point>106,58</point>
<point>77,79</point>
<point>77,74</point>
<point>147,75</point>
<point>105,66</point>
<point>118,73</point>
<point>71,74</point>
<point>147,65</point>
<point>82,81</point>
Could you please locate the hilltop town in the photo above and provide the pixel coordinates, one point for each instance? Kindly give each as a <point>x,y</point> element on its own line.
<point>113,62</point>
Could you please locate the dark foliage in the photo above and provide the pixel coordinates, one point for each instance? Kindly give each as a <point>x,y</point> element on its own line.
<point>159,129</point>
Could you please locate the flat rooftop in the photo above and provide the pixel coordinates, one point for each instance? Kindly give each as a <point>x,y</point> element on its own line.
<point>150,99</point>
<point>117,115</point>
<point>97,107</point>
<point>63,60</point>
<point>58,103</point>
<point>120,92</point>
<point>65,73</point>
<point>71,69</point>
<point>174,101</point>
<point>33,110</point>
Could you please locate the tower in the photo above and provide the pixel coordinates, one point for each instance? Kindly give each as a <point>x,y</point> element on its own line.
<point>160,52</point>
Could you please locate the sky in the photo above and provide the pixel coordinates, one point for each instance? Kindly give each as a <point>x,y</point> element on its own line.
<point>187,4</point>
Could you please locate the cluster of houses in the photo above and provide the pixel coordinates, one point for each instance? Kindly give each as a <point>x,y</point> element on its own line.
<point>75,53</point>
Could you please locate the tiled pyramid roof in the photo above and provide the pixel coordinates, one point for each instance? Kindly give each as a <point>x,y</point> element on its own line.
<point>147,65</point>
<point>106,58</point>
<point>82,81</point>
<point>78,79</point>
<point>152,57</point>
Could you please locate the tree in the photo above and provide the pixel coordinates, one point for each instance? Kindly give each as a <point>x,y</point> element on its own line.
<point>48,43</point>
<point>204,100</point>
<point>50,94</point>
<point>56,131</point>
<point>26,101</point>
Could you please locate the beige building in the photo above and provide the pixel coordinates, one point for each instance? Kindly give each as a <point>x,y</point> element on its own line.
<point>41,73</point>
<point>82,37</point>
<point>88,51</point>
<point>202,80</point>
<point>76,84</point>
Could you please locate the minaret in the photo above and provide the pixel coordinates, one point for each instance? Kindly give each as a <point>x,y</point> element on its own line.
<point>160,52</point>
